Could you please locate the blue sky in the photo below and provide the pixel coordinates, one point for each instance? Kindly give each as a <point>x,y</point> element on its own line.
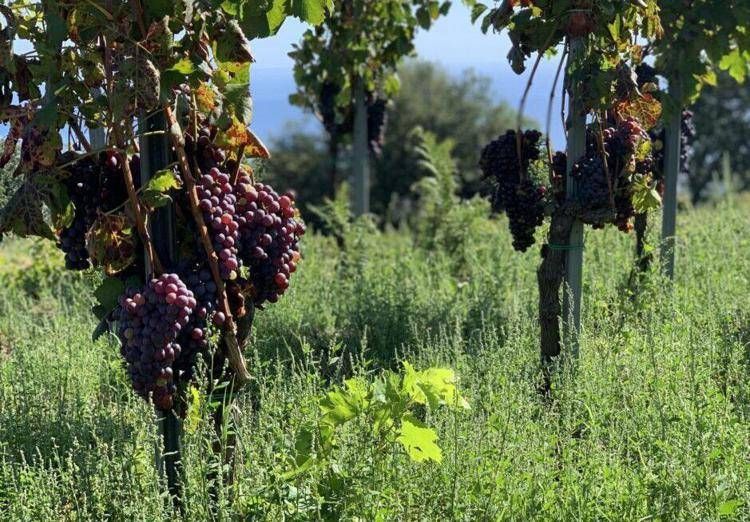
<point>452,40</point>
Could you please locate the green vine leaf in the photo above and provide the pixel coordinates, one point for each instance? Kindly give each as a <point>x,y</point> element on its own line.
<point>736,64</point>
<point>477,12</point>
<point>108,293</point>
<point>418,440</point>
<point>311,11</point>
<point>156,192</point>
<point>264,24</point>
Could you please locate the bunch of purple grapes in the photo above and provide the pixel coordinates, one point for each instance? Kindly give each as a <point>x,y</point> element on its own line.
<point>621,141</point>
<point>83,189</point>
<point>523,201</point>
<point>559,175</point>
<point>600,186</point>
<point>499,161</point>
<point>204,151</point>
<point>112,191</point>
<point>150,322</point>
<point>193,338</point>
<point>591,182</point>
<point>217,202</point>
<point>92,186</point>
<point>270,234</point>
<point>526,213</point>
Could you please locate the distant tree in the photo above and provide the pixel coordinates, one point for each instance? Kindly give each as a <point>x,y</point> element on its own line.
<point>460,109</point>
<point>722,119</point>
<point>299,161</point>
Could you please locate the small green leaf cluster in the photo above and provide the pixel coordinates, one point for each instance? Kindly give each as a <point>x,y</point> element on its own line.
<point>702,37</point>
<point>392,405</point>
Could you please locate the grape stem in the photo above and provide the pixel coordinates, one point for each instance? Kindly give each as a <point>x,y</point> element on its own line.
<point>236,359</point>
<point>549,109</point>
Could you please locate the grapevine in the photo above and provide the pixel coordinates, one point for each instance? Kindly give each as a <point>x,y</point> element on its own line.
<point>604,178</point>
<point>115,66</point>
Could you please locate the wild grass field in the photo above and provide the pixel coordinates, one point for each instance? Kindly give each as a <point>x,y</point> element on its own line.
<point>650,423</point>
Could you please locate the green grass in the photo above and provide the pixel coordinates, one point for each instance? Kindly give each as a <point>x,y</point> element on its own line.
<point>650,424</point>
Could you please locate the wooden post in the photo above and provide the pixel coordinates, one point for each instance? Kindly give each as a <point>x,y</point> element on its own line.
<point>573,283</point>
<point>154,147</point>
<point>673,135</point>
<point>360,154</point>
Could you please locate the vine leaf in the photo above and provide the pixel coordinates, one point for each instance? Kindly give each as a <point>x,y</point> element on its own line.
<point>477,11</point>
<point>259,23</point>
<point>418,440</point>
<point>23,214</point>
<point>311,11</point>
<point>156,192</point>
<point>108,293</point>
<point>340,406</point>
<point>237,135</point>
<point>232,45</point>
<point>263,24</point>
<point>645,196</point>
<point>736,64</point>
<point>645,108</point>
<point>255,148</point>
<point>111,243</point>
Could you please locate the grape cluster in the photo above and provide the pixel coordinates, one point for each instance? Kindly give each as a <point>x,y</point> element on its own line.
<point>204,151</point>
<point>523,200</point>
<point>559,174</point>
<point>193,338</point>
<point>591,182</point>
<point>112,191</point>
<point>270,234</point>
<point>93,185</point>
<point>150,322</point>
<point>377,119</point>
<point>622,140</point>
<point>217,202</point>
<point>526,213</point>
<point>595,190</point>
<point>82,185</point>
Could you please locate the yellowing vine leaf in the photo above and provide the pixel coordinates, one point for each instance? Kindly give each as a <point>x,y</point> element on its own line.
<point>238,135</point>
<point>111,243</point>
<point>646,109</point>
